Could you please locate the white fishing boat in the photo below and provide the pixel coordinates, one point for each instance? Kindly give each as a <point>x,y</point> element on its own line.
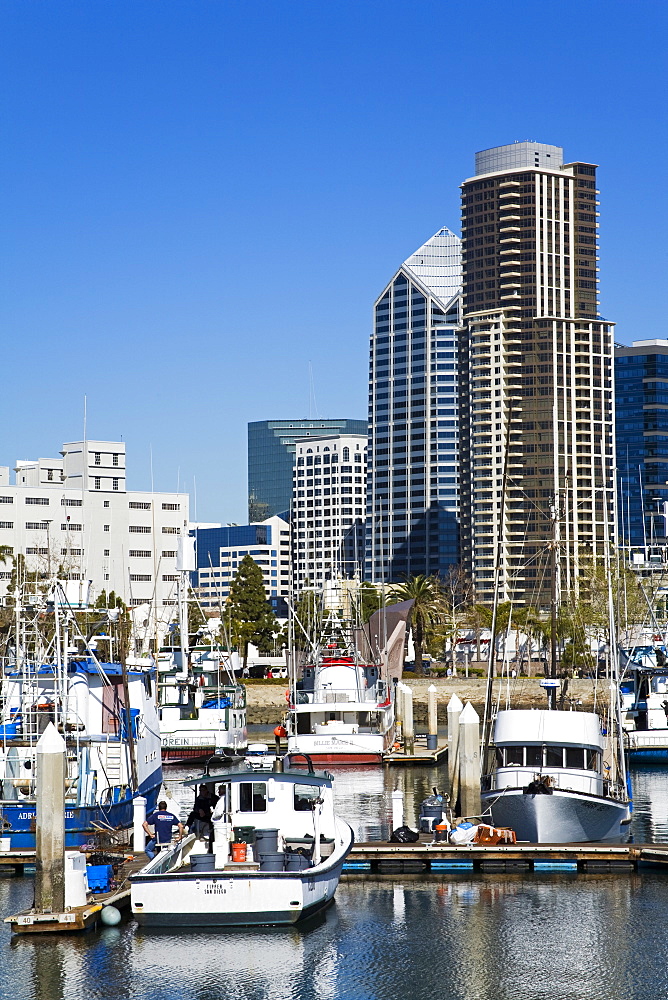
<point>556,776</point>
<point>202,705</point>
<point>106,713</point>
<point>644,704</point>
<point>287,867</point>
<point>553,779</point>
<point>341,701</point>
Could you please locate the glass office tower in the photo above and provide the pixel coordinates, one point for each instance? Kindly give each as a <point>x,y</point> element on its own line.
<point>413,455</point>
<point>641,423</point>
<point>271,455</point>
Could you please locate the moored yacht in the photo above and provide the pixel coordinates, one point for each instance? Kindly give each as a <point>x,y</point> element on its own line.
<point>553,778</point>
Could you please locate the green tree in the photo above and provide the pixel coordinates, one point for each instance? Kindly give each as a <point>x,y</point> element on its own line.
<point>248,611</point>
<point>425,593</point>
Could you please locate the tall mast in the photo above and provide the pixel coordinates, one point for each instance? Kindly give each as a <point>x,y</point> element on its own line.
<point>554,571</point>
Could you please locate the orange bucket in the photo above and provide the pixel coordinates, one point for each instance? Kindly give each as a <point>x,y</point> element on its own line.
<point>238,852</point>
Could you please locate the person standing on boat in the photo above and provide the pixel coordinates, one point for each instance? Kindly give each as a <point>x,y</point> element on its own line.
<point>163,822</point>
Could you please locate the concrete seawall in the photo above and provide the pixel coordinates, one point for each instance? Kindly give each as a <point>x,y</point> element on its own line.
<point>267,703</point>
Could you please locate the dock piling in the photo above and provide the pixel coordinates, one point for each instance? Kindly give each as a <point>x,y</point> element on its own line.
<point>397,809</point>
<point>50,822</point>
<point>408,729</point>
<point>469,761</point>
<point>432,715</point>
<point>454,711</point>
<point>138,818</point>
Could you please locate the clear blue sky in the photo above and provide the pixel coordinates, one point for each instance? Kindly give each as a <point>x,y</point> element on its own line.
<point>199,198</point>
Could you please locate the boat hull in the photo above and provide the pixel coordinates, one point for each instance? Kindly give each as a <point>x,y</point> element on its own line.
<point>81,822</point>
<point>562,817</point>
<point>342,749</point>
<point>228,898</point>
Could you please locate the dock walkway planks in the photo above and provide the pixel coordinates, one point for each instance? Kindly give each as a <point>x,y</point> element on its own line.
<point>396,858</point>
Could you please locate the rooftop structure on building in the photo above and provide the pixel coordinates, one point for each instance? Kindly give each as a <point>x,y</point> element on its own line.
<point>271,451</point>
<point>536,370</point>
<point>413,503</point>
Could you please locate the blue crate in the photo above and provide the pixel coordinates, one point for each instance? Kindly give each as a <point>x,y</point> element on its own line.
<point>99,877</point>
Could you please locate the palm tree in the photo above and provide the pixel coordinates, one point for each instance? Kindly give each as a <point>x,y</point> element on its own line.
<point>425,593</point>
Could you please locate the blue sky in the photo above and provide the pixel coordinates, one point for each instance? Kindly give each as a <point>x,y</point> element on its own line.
<point>200,198</point>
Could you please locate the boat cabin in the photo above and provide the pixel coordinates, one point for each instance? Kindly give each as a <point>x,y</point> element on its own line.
<point>557,749</point>
<point>298,804</point>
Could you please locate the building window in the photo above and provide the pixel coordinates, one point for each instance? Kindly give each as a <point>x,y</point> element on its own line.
<point>97,458</point>
<point>169,577</point>
<point>106,527</point>
<point>106,503</point>
<point>66,502</point>
<point>38,525</point>
<point>49,475</point>
<point>169,553</point>
<point>6,499</point>
<point>114,459</point>
<point>6,524</point>
<point>115,484</point>
<point>171,506</point>
<point>136,505</point>
<point>96,483</point>
<point>141,553</point>
<point>140,529</point>
<point>43,501</point>
<point>106,552</point>
<point>140,577</point>
<point>170,531</point>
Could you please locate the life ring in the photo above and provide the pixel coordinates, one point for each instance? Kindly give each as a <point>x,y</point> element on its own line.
<point>281,732</point>
<point>287,696</point>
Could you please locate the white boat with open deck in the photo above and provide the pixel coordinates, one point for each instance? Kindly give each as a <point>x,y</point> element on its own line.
<point>552,780</point>
<point>298,846</point>
<point>341,700</point>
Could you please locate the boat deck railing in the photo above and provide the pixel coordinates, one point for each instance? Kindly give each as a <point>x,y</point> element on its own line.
<point>324,695</point>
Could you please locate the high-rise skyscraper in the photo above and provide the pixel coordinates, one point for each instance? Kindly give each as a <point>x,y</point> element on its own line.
<point>271,453</point>
<point>641,416</point>
<point>536,363</point>
<point>412,501</point>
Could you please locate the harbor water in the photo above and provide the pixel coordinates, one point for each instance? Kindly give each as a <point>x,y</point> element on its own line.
<point>454,936</point>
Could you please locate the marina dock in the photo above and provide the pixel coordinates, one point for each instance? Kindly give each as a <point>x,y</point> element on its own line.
<point>76,918</point>
<point>392,859</point>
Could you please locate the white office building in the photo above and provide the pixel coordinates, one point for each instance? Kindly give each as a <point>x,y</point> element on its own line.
<point>328,508</point>
<point>74,517</point>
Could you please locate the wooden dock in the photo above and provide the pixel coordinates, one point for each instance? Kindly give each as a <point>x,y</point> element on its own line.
<point>76,918</point>
<point>392,859</point>
<point>420,755</point>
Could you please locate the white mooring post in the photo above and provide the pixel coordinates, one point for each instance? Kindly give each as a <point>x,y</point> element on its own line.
<point>454,711</point>
<point>138,818</point>
<point>432,711</point>
<point>469,761</point>
<point>397,809</point>
<point>409,730</point>
<point>50,822</point>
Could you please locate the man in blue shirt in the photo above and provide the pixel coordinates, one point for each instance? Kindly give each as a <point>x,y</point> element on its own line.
<point>162,822</point>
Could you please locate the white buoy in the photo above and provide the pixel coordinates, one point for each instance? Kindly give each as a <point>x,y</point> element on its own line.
<point>469,761</point>
<point>397,809</point>
<point>138,818</point>
<point>110,916</point>
<point>51,770</point>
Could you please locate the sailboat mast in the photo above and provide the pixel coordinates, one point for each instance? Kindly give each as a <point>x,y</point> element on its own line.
<point>552,673</point>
